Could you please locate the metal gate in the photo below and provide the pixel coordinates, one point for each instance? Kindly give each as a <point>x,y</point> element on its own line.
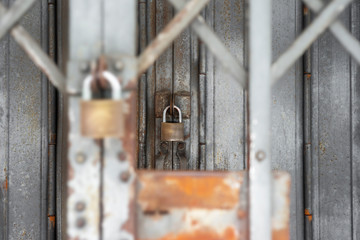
<point>313,109</point>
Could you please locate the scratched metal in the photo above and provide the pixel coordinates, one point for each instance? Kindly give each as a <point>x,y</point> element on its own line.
<point>203,205</point>
<point>23,129</point>
<point>335,136</point>
<point>355,129</point>
<point>287,117</point>
<point>83,154</point>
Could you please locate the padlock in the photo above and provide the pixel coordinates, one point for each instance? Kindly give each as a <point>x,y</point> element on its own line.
<point>171,131</point>
<point>102,118</point>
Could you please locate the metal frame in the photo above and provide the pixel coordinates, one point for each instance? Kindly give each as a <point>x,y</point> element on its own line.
<point>94,167</point>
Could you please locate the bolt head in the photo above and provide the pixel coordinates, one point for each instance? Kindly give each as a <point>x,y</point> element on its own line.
<point>80,222</point>
<point>80,158</point>
<point>119,65</point>
<point>122,156</point>
<point>260,155</point>
<point>125,176</point>
<point>80,206</point>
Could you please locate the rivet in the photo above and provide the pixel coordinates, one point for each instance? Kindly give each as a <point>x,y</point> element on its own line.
<point>80,206</point>
<point>125,176</point>
<point>122,156</point>
<point>260,155</point>
<point>80,158</point>
<point>80,222</point>
<point>119,65</point>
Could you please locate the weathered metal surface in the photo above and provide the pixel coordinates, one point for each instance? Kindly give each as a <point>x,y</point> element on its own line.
<point>120,155</point>
<point>162,100</point>
<point>355,126</point>
<point>37,55</point>
<point>225,103</point>
<point>13,15</point>
<point>215,45</point>
<point>287,109</point>
<point>83,154</point>
<point>170,33</point>
<point>163,81</point>
<point>203,205</point>
<point>334,134</point>
<point>304,41</point>
<point>347,40</point>
<point>23,129</point>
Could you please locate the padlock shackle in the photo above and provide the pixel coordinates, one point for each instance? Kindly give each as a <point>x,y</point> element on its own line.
<point>112,79</point>
<point>177,108</point>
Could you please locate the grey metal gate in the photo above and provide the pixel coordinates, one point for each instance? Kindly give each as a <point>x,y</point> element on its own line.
<point>314,114</point>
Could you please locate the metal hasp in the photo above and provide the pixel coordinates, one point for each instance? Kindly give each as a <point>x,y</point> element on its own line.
<point>101,172</point>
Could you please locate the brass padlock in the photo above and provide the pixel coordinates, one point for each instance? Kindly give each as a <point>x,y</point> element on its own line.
<point>171,131</point>
<point>102,118</point>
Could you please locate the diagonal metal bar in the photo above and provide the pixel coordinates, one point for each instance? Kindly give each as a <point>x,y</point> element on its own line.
<point>37,55</point>
<point>169,34</point>
<point>13,15</point>
<point>303,42</point>
<point>350,43</point>
<point>215,45</point>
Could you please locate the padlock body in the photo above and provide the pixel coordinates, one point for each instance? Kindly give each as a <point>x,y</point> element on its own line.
<point>172,132</point>
<point>102,118</point>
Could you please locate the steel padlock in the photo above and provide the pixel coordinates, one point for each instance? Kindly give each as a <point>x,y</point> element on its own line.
<point>171,131</point>
<point>102,118</point>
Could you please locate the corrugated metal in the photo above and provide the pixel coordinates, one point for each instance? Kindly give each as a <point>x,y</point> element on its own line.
<point>24,131</point>
<point>216,131</point>
<point>335,136</point>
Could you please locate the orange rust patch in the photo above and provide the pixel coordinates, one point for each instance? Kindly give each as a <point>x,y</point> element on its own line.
<point>282,234</point>
<point>52,220</point>
<point>6,184</point>
<point>308,214</point>
<point>162,192</point>
<point>203,234</point>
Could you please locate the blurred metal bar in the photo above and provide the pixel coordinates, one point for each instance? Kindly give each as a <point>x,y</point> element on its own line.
<point>84,155</point>
<point>37,55</point>
<point>260,184</point>
<point>120,155</point>
<point>168,35</point>
<point>287,59</point>
<point>349,42</point>
<point>207,35</point>
<point>9,18</point>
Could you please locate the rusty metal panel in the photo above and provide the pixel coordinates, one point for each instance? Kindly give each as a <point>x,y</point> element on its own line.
<point>23,130</point>
<point>203,205</point>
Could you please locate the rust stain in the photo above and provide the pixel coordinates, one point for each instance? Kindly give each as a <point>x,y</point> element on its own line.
<point>165,191</point>
<point>129,137</point>
<point>203,234</point>
<point>52,220</point>
<point>308,214</point>
<point>6,184</point>
<point>129,143</point>
<point>282,234</point>
<point>306,10</point>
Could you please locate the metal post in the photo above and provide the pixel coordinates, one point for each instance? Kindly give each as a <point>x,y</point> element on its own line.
<point>259,100</point>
